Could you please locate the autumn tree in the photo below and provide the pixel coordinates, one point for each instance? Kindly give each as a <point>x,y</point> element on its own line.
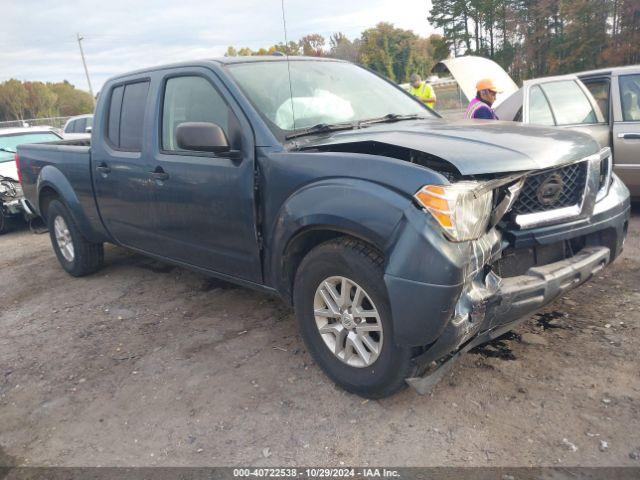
<point>13,98</point>
<point>340,46</point>
<point>312,45</point>
<point>23,100</point>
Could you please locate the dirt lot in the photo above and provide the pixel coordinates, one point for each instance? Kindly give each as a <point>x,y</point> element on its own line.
<point>149,364</point>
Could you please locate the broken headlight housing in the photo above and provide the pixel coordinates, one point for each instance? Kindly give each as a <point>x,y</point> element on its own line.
<point>462,209</point>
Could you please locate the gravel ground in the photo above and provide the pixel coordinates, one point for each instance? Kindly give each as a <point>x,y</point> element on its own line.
<point>149,364</point>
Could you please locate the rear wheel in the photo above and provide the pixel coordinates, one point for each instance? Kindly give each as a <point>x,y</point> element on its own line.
<point>76,254</point>
<point>344,316</point>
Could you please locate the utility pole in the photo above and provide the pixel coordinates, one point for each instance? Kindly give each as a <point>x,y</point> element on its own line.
<point>84,63</point>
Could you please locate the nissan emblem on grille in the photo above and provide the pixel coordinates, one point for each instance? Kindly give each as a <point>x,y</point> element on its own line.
<point>550,190</point>
<point>562,187</point>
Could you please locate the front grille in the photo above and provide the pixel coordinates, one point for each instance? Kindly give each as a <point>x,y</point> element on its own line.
<point>564,188</point>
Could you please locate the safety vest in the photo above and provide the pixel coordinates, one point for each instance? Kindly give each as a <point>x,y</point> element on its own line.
<point>423,92</point>
<point>476,104</point>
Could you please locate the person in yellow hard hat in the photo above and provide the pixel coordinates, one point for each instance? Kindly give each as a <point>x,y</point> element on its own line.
<point>422,90</point>
<point>480,107</point>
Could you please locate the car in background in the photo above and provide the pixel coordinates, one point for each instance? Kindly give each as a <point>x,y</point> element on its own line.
<point>617,91</point>
<point>12,204</point>
<point>559,101</point>
<point>78,127</point>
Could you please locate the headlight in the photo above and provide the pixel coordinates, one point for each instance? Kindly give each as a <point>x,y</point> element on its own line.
<point>462,209</point>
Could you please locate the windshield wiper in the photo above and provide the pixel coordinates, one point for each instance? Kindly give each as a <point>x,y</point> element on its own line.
<point>389,117</point>
<point>2,149</point>
<point>321,128</point>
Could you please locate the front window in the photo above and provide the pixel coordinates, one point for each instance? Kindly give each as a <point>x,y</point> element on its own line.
<point>191,99</point>
<point>539,110</point>
<point>569,103</point>
<point>10,142</point>
<point>320,92</point>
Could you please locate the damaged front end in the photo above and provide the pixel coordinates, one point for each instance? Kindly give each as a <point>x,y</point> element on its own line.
<point>513,270</point>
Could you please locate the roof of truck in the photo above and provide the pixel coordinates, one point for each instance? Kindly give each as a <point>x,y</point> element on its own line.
<point>230,61</point>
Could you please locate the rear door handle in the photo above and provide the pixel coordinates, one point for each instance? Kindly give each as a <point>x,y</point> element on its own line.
<point>159,174</point>
<point>629,136</point>
<point>103,168</point>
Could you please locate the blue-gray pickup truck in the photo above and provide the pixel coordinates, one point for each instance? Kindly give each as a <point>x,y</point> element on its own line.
<point>400,239</point>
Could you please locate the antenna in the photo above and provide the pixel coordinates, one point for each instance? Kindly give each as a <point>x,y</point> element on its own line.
<point>286,51</point>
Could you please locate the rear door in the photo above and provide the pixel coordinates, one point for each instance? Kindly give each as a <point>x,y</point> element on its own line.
<point>626,130</point>
<point>205,211</point>
<point>121,173</point>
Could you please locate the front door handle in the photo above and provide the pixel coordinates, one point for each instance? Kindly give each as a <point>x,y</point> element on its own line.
<point>103,168</point>
<point>159,174</point>
<point>629,136</point>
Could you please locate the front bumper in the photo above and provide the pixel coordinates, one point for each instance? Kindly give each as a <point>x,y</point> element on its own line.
<point>484,305</point>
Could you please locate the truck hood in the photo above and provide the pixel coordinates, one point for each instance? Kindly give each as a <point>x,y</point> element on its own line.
<point>9,169</point>
<point>473,147</point>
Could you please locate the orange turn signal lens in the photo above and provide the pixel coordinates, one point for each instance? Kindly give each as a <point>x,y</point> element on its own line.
<point>434,199</point>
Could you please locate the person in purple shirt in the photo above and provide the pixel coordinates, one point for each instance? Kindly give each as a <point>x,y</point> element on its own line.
<point>480,107</point>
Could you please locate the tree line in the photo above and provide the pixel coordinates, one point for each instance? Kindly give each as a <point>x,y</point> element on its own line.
<point>391,51</point>
<point>528,38</point>
<point>533,38</point>
<point>22,100</point>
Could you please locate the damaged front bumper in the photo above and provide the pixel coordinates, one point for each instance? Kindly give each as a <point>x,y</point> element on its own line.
<point>12,199</point>
<point>453,297</point>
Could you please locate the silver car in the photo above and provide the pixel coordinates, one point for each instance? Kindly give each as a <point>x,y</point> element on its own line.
<point>617,91</point>
<point>603,103</point>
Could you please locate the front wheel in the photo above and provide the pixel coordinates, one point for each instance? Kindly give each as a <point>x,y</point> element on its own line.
<point>344,316</point>
<point>75,253</point>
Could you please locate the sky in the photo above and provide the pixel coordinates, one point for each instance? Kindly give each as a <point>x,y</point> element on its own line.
<point>38,37</point>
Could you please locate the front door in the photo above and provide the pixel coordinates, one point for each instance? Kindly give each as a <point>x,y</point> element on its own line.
<point>626,132</point>
<point>204,206</point>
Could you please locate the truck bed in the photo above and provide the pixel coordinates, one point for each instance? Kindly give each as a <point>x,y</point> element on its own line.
<point>66,164</point>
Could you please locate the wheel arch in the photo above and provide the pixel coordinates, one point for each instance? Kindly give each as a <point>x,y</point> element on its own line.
<point>363,210</point>
<point>53,185</point>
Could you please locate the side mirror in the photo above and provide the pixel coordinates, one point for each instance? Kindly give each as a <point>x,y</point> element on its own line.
<point>202,137</point>
<point>87,130</point>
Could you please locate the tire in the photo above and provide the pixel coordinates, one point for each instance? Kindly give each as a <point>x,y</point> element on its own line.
<point>84,257</point>
<point>362,267</point>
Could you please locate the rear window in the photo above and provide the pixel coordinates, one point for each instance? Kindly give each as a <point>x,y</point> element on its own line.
<point>599,88</point>
<point>126,116</point>
<point>630,97</point>
<point>569,103</point>
<point>79,126</point>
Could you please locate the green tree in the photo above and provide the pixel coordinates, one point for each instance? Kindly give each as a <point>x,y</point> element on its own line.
<point>312,45</point>
<point>245,52</point>
<point>231,52</point>
<point>343,48</point>
<point>13,98</point>
<point>70,101</point>
<point>41,100</point>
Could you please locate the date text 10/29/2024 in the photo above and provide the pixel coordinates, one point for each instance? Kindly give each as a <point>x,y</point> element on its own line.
<point>316,472</point>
